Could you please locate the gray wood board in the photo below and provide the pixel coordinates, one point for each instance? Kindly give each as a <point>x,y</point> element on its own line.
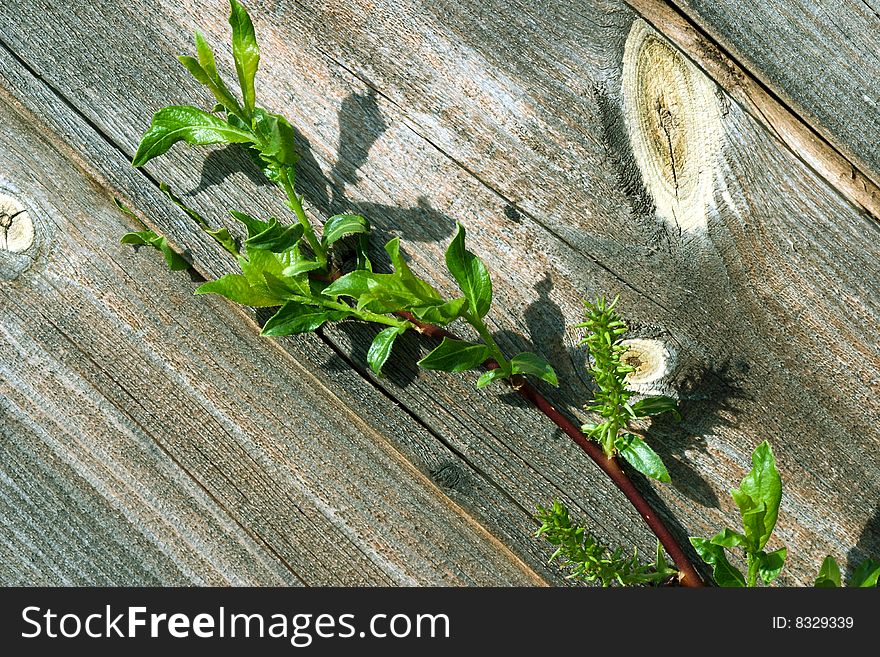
<point>819,56</point>
<point>146,439</point>
<point>510,119</point>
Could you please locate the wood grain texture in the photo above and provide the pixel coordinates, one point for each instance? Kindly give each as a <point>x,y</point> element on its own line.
<point>148,440</point>
<point>821,57</point>
<point>510,118</point>
<point>802,133</point>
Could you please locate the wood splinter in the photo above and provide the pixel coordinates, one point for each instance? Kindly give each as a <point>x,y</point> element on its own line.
<point>16,227</point>
<point>673,119</point>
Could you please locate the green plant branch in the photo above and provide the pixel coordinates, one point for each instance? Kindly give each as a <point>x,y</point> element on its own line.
<point>276,272</point>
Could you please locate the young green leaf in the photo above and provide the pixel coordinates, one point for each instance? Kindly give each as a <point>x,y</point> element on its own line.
<point>489,376</point>
<point>470,274</point>
<point>184,123</point>
<point>758,497</point>
<point>829,574</point>
<point>379,293</point>
<point>174,260</point>
<point>295,317</point>
<point>205,71</point>
<point>380,349</point>
<point>866,574</point>
<point>640,456</point>
<point>770,564</point>
<point>245,52</point>
<point>728,538</point>
<point>237,288</point>
<point>723,572</point>
<point>455,356</point>
<point>275,139</point>
<point>343,225</point>
<point>276,237</point>
<point>254,226</point>
<point>443,314</point>
<point>532,364</point>
<point>286,288</point>
<point>587,559</point>
<point>655,406</point>
<point>420,289</point>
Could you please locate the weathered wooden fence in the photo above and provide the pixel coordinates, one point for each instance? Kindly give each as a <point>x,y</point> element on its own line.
<point>714,164</point>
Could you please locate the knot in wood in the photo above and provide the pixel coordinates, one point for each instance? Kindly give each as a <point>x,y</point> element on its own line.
<point>673,121</point>
<point>652,361</point>
<point>16,227</point>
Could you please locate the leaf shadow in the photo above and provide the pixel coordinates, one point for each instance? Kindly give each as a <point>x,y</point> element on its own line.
<point>708,402</point>
<point>868,545</point>
<point>546,326</point>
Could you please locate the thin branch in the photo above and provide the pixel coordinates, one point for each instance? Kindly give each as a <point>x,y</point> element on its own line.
<point>688,575</point>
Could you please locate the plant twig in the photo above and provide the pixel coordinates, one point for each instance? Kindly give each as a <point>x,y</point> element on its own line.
<point>688,574</point>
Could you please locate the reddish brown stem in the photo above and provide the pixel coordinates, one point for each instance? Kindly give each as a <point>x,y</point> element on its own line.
<point>688,575</point>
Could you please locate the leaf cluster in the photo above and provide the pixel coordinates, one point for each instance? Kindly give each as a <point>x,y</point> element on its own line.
<point>290,266</point>
<point>603,338</point>
<point>866,574</point>
<point>589,560</point>
<point>757,498</point>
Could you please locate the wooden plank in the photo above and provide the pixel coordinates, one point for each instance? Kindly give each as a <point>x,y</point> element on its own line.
<point>147,440</point>
<point>512,119</point>
<point>503,503</point>
<point>820,57</point>
<point>845,171</point>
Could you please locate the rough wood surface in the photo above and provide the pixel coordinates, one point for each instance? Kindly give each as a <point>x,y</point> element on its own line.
<point>822,149</point>
<point>511,119</point>
<point>149,440</point>
<point>822,57</point>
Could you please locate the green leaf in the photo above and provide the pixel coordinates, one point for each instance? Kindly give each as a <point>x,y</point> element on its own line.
<point>386,293</point>
<point>254,226</point>
<point>301,266</point>
<point>442,314</point>
<point>640,456</point>
<point>728,538</point>
<point>276,238</point>
<point>342,225</point>
<point>529,363</point>
<point>225,100</point>
<point>295,317</point>
<point>237,288</point>
<point>829,574</point>
<point>185,123</point>
<point>661,566</point>
<point>205,71</point>
<point>420,289</point>
<point>470,274</point>
<point>723,572</point>
<point>260,264</point>
<point>770,564</point>
<point>866,575</point>
<point>380,349</point>
<point>489,376</point>
<point>245,52</point>
<point>758,497</point>
<point>286,287</point>
<point>455,356</point>
<point>656,406</point>
<point>174,260</point>
<point>276,138</point>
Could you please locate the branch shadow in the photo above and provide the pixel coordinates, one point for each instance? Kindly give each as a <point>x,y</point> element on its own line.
<point>360,125</point>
